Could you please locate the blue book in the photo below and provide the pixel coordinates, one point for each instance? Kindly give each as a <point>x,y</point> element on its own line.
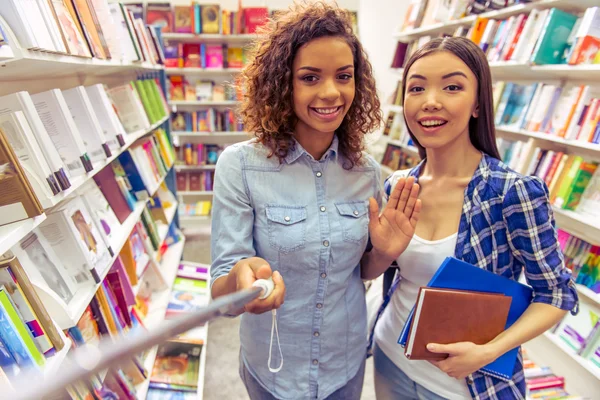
<point>457,274</point>
<point>8,362</point>
<point>13,341</point>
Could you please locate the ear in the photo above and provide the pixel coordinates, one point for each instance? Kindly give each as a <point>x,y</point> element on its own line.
<point>475,113</point>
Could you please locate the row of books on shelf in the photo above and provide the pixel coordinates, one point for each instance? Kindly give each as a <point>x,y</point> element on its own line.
<point>198,153</point>
<point>195,181</point>
<point>197,209</point>
<point>176,369</point>
<point>571,112</point>
<point>182,88</point>
<point>397,158</point>
<point>574,183</point>
<point>51,139</point>
<point>207,120</point>
<point>550,36</point>
<point>543,384</point>
<point>202,55</point>
<point>583,259</point>
<point>83,28</point>
<point>203,18</point>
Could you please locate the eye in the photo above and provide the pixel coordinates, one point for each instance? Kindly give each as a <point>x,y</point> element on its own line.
<point>309,78</point>
<point>454,88</point>
<point>415,89</point>
<point>345,77</point>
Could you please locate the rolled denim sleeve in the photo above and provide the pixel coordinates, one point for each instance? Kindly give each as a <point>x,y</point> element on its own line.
<point>232,215</point>
<point>533,241</point>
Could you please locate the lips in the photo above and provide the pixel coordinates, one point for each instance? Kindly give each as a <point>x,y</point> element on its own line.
<point>326,110</point>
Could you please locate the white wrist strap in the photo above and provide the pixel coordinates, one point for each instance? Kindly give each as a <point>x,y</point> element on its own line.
<point>274,329</point>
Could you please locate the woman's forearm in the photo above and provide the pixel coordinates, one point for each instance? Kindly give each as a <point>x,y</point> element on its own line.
<point>373,264</point>
<point>537,319</point>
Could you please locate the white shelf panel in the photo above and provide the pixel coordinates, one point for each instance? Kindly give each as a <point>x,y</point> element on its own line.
<point>203,103</point>
<point>210,137</point>
<point>582,377</point>
<point>514,71</point>
<point>210,134</point>
<point>131,138</point>
<point>195,193</point>
<point>202,71</point>
<point>208,38</point>
<point>119,240</point>
<point>588,293</point>
<point>11,234</point>
<point>152,191</point>
<point>450,26</point>
<point>53,363</point>
<point>195,167</point>
<point>590,150</point>
<point>202,372</point>
<point>142,388</point>
<point>578,225</point>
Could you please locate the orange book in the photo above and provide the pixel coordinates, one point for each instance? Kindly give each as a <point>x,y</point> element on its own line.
<point>91,29</point>
<point>478,30</point>
<point>105,310</point>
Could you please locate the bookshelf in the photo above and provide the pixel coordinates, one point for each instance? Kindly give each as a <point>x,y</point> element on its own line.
<point>195,167</point>
<point>19,63</point>
<point>450,26</point>
<point>582,377</point>
<point>11,234</point>
<point>204,103</point>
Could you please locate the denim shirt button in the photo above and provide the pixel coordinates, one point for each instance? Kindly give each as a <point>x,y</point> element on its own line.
<point>323,209</point>
<point>319,305</point>
<point>315,362</point>
<point>316,334</point>
<point>326,243</point>
<point>323,275</point>
<point>319,174</point>
<point>287,219</point>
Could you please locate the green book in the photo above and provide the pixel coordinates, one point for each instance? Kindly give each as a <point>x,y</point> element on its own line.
<point>567,181</point>
<point>152,91</point>
<point>580,182</point>
<point>552,42</point>
<point>23,332</point>
<point>192,285</point>
<point>140,89</point>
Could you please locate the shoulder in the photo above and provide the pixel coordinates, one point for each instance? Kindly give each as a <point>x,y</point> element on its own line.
<point>246,154</point>
<point>368,161</point>
<point>511,186</point>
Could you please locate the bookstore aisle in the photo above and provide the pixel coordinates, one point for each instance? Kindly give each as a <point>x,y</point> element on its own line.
<point>545,64</point>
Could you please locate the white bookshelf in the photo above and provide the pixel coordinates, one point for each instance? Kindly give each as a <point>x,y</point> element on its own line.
<point>195,193</point>
<point>578,225</point>
<point>163,229</point>
<point>11,234</point>
<point>208,38</point>
<point>202,71</point>
<point>18,63</point>
<point>210,137</point>
<point>516,71</point>
<point>410,149</point>
<point>152,191</point>
<point>588,293</point>
<point>158,305</point>
<point>131,138</point>
<point>450,26</point>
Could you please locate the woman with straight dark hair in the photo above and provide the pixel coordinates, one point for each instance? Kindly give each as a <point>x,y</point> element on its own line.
<point>474,208</point>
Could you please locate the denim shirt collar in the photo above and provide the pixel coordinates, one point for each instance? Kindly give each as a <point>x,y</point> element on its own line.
<point>297,150</point>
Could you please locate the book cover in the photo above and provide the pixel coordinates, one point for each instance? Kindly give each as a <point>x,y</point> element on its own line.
<point>177,364</point>
<point>113,130</point>
<point>160,14</point>
<point>210,15</point>
<point>76,44</point>
<point>553,38</point>
<point>17,198</point>
<point>102,214</point>
<point>107,183</point>
<point>440,317</point>
<point>129,108</point>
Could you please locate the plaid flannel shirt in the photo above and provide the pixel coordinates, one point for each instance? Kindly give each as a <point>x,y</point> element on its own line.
<point>507,226</point>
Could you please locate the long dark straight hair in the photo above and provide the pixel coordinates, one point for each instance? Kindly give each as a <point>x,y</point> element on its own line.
<point>482,131</point>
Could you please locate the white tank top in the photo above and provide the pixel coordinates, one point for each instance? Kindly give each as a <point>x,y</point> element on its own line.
<point>418,264</point>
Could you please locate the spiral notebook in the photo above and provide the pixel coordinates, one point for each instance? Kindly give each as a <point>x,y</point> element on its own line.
<point>457,274</point>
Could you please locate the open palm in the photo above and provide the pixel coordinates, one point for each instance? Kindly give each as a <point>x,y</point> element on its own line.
<point>392,231</point>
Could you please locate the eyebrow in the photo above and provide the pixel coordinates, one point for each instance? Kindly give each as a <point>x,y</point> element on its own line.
<point>450,75</point>
<point>313,69</point>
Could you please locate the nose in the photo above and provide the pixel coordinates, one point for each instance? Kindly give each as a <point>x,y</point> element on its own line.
<point>431,102</point>
<point>329,90</point>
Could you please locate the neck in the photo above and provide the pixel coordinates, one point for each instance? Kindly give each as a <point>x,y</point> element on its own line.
<point>315,143</point>
<point>454,160</point>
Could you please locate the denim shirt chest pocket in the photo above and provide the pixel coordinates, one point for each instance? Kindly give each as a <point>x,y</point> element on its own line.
<point>354,220</point>
<point>287,227</point>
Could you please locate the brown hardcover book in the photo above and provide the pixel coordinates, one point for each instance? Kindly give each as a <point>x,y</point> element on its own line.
<point>448,316</point>
<point>17,198</point>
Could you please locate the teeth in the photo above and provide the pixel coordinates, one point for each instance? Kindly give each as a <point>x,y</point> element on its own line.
<point>326,111</point>
<point>432,123</point>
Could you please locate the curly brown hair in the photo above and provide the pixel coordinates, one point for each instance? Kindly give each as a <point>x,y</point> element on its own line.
<point>267,106</point>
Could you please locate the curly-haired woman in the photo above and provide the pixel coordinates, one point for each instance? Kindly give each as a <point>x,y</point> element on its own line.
<point>295,200</point>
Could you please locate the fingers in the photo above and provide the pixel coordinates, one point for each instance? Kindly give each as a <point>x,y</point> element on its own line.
<point>251,269</point>
<point>414,218</point>
<point>274,301</point>
<point>413,196</point>
<point>395,195</point>
<point>373,212</point>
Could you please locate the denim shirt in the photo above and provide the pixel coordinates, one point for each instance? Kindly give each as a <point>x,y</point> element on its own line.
<point>309,220</point>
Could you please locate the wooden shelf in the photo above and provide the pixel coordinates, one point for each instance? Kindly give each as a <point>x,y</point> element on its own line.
<point>450,26</point>
<point>208,38</point>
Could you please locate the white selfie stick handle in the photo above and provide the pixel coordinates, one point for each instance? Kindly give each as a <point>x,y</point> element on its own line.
<point>266,285</point>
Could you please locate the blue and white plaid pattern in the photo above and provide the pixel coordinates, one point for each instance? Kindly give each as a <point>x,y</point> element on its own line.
<point>507,226</point>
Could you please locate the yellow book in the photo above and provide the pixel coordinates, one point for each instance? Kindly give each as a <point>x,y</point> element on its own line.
<point>106,313</point>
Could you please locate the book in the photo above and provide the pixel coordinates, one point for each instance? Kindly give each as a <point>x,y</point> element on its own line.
<point>102,214</point>
<point>177,364</point>
<point>457,274</point>
<point>441,316</point>
<point>74,40</point>
<point>105,111</point>
<point>108,185</point>
<point>129,108</point>
<point>553,39</point>
<point>17,199</point>
<point>87,123</point>
<point>21,101</point>
<point>58,121</point>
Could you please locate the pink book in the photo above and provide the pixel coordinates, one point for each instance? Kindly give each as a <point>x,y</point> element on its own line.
<point>214,56</point>
<point>124,281</point>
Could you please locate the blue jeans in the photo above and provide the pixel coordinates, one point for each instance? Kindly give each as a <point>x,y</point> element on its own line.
<point>350,391</point>
<point>393,384</point>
